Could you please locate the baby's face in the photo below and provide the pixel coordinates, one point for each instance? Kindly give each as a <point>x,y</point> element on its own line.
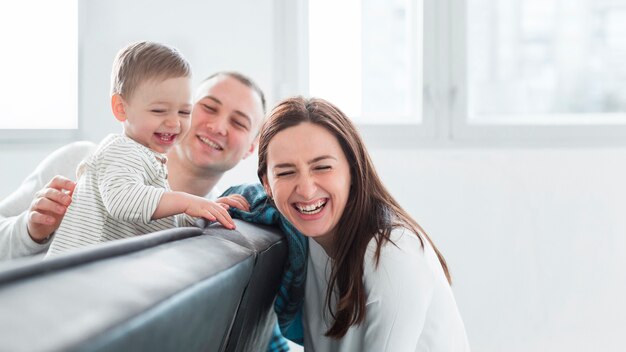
<point>158,112</point>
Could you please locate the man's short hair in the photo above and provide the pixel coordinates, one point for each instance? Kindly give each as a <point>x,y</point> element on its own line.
<point>243,79</point>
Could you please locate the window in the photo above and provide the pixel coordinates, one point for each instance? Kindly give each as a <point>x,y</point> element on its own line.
<point>365,56</point>
<point>450,71</point>
<point>546,62</point>
<point>38,65</point>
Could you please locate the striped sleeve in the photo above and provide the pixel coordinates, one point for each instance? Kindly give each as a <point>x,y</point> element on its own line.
<point>185,220</point>
<point>124,187</point>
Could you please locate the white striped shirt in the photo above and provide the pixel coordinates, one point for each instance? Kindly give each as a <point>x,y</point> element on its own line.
<point>119,188</point>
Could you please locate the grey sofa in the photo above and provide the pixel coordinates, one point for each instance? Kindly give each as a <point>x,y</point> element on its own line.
<point>185,289</point>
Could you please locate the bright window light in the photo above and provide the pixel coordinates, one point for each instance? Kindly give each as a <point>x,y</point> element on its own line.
<point>547,62</point>
<point>365,56</point>
<point>335,55</point>
<point>39,64</point>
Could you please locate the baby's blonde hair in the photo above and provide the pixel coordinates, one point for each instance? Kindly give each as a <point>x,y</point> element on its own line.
<point>142,61</point>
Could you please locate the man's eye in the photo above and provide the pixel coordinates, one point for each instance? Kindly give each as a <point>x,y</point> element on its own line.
<point>240,124</point>
<point>209,108</point>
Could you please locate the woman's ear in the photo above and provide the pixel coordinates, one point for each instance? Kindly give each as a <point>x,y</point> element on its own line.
<point>118,105</point>
<point>266,186</point>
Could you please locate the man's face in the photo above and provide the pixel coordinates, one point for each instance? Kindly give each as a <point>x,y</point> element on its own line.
<point>225,119</point>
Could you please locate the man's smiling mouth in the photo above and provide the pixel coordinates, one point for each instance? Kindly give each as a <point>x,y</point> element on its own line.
<point>210,143</point>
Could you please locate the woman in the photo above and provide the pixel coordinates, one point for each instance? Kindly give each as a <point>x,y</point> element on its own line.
<point>375,281</point>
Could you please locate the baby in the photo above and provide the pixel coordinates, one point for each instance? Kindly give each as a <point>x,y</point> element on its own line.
<point>122,189</point>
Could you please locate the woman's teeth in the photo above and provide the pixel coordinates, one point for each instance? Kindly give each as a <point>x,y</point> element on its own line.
<point>311,208</point>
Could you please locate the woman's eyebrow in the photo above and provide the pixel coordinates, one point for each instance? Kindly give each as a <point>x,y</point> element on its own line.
<point>312,161</point>
<point>320,158</point>
<point>284,165</point>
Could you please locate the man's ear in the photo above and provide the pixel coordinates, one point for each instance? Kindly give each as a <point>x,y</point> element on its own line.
<point>118,105</point>
<point>253,146</point>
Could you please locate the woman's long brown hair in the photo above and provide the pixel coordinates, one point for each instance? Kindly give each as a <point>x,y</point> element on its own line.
<point>371,211</point>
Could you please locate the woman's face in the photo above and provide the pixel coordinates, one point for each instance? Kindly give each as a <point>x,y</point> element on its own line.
<point>308,177</point>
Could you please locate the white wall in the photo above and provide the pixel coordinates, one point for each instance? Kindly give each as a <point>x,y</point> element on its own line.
<point>535,237</point>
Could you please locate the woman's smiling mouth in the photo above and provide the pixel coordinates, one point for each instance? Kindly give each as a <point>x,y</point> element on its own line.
<point>311,208</point>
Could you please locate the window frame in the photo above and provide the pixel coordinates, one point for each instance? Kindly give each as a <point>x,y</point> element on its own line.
<point>445,102</point>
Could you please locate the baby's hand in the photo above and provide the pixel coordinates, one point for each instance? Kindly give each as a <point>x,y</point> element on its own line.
<point>236,201</point>
<point>213,211</point>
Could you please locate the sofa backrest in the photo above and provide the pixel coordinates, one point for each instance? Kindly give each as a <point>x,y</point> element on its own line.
<point>186,289</point>
<point>255,318</point>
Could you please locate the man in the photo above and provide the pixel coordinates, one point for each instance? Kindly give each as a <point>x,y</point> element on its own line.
<point>226,117</point>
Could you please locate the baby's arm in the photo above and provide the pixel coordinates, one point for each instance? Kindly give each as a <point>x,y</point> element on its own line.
<point>236,201</point>
<point>124,185</point>
<point>173,203</point>
<point>126,197</point>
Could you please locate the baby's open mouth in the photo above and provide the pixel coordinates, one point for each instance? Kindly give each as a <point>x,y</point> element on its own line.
<point>166,137</point>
